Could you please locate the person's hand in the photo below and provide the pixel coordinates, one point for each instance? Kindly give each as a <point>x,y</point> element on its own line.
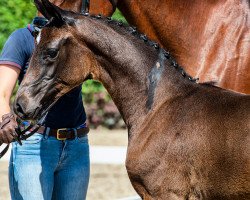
<point>7,128</point>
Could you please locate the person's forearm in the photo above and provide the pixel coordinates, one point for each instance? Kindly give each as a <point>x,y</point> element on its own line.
<point>4,106</point>
<point>8,77</point>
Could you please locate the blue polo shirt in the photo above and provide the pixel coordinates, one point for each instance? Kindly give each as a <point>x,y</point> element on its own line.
<point>68,112</point>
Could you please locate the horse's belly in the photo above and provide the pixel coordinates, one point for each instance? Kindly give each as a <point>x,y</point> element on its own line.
<point>157,177</point>
<point>182,172</point>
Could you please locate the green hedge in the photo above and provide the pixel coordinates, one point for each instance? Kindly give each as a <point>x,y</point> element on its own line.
<point>14,14</point>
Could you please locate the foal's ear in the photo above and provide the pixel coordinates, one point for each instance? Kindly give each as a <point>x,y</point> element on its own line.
<point>49,10</point>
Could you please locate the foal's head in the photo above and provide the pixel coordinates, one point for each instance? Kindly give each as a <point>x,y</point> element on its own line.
<point>59,63</point>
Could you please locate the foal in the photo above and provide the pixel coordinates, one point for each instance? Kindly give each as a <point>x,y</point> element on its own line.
<point>186,140</point>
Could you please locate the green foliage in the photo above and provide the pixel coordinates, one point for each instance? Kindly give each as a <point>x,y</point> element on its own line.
<point>118,16</point>
<point>14,14</point>
<point>90,88</point>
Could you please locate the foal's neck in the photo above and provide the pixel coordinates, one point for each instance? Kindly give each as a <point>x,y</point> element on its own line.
<point>134,73</point>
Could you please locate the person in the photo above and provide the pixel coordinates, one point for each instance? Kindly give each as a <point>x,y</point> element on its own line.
<point>54,162</point>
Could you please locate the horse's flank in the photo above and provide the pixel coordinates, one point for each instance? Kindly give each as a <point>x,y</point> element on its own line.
<point>186,140</point>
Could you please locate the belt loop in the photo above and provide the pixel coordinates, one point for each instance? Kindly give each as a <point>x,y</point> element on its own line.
<point>75,132</point>
<point>46,134</point>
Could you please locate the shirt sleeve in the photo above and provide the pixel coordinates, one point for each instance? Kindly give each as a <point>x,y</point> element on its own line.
<point>14,52</point>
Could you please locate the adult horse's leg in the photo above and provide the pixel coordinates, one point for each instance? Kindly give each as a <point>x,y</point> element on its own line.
<point>103,7</point>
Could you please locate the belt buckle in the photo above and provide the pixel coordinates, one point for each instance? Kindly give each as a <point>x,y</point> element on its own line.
<point>58,134</point>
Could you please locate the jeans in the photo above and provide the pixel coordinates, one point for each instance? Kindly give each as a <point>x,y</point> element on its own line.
<point>45,168</point>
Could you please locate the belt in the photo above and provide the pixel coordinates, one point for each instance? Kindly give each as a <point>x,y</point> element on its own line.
<point>65,133</point>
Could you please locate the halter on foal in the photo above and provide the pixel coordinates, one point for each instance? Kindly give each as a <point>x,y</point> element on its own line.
<point>186,140</point>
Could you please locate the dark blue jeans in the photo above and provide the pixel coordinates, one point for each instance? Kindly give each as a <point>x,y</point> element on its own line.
<point>45,168</point>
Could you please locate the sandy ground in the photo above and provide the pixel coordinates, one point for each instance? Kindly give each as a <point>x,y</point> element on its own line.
<point>105,137</point>
<point>107,182</point>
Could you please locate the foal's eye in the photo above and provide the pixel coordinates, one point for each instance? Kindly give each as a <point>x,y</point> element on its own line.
<point>52,53</point>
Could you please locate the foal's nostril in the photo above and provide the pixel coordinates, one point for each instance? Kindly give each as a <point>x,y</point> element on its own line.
<point>19,109</point>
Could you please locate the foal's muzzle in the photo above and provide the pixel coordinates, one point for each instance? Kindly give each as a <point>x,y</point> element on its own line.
<point>25,109</point>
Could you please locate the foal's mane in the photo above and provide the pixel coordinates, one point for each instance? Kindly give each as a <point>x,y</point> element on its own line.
<point>121,26</point>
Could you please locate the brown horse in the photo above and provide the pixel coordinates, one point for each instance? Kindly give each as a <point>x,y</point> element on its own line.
<point>186,140</point>
<point>97,6</point>
<point>214,35</point>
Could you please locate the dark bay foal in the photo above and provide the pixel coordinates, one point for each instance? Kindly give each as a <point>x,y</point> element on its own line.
<point>186,140</point>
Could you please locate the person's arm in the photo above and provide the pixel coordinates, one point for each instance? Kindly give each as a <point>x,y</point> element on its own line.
<point>8,77</point>
<point>13,57</point>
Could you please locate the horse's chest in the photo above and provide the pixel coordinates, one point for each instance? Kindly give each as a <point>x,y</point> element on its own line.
<point>155,178</point>
<point>143,170</point>
<point>149,167</point>
<point>158,167</point>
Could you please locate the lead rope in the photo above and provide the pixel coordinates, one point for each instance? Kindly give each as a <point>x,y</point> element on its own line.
<point>22,136</point>
<point>4,151</point>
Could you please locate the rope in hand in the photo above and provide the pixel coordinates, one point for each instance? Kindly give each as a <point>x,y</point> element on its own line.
<point>23,135</point>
